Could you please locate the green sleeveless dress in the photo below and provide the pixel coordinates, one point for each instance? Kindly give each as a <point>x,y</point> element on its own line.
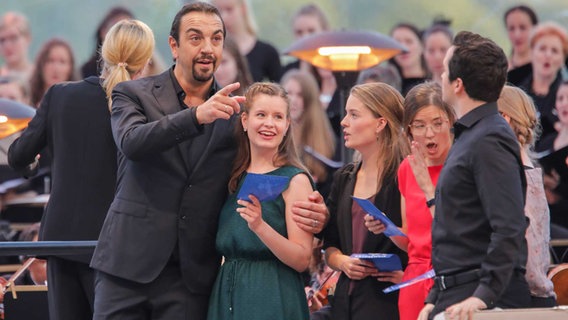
<point>253,283</point>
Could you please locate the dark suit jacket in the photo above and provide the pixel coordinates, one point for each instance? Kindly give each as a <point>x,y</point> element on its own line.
<point>366,297</point>
<point>172,183</point>
<point>73,121</point>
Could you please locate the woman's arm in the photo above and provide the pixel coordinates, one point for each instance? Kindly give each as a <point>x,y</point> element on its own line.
<point>420,171</point>
<point>355,269</point>
<point>294,251</point>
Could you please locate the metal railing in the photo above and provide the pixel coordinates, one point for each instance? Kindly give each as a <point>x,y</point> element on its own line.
<point>46,248</point>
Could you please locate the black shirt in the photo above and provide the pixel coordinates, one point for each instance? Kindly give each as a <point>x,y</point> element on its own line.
<point>480,220</point>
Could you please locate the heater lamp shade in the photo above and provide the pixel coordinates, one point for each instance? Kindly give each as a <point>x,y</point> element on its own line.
<point>14,117</point>
<point>345,50</point>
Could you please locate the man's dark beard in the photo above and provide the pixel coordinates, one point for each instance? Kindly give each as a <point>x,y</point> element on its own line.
<point>199,76</point>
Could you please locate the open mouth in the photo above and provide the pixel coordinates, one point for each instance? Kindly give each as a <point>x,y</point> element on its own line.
<point>204,62</point>
<point>431,147</point>
<point>267,133</point>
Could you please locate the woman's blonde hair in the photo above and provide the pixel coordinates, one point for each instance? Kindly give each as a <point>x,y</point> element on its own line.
<point>386,102</point>
<point>18,20</point>
<point>315,129</point>
<point>250,22</point>
<point>519,107</point>
<point>127,48</point>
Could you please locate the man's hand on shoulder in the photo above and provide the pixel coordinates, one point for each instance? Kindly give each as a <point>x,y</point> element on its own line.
<point>220,105</point>
<point>311,215</point>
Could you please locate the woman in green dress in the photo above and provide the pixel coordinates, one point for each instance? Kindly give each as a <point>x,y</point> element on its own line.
<point>264,249</point>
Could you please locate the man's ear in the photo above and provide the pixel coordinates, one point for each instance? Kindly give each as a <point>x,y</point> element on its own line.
<point>173,47</point>
<point>458,86</point>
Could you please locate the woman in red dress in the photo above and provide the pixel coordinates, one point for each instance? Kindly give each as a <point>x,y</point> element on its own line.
<point>427,122</point>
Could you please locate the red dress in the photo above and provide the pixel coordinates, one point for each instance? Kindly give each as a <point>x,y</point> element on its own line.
<point>419,232</point>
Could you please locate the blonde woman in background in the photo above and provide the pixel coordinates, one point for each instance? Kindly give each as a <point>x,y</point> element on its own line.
<point>15,39</point>
<point>312,132</point>
<point>263,58</point>
<point>73,122</point>
<point>519,111</point>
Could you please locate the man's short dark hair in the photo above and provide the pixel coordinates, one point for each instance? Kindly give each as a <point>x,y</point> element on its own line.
<point>197,6</point>
<point>480,64</point>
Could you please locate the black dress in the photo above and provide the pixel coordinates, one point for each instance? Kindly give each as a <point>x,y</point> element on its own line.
<point>264,62</point>
<point>519,74</point>
<point>544,106</point>
<point>366,299</point>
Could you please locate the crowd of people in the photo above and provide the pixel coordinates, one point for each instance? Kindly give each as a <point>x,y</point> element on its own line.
<point>150,161</point>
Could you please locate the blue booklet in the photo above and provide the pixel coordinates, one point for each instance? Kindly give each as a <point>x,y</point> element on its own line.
<point>263,186</point>
<point>369,207</point>
<point>422,277</point>
<point>383,261</point>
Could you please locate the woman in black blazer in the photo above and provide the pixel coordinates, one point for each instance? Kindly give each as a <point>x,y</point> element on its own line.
<point>373,127</point>
<point>73,122</point>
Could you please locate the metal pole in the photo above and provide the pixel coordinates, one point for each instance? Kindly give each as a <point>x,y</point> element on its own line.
<point>46,248</point>
<point>345,81</point>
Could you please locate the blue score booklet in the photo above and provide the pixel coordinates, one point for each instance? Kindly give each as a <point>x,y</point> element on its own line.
<point>383,261</point>
<point>369,207</point>
<point>263,186</point>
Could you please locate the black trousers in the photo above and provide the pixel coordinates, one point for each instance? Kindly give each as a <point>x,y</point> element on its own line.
<point>71,289</point>
<point>164,298</point>
<point>517,295</point>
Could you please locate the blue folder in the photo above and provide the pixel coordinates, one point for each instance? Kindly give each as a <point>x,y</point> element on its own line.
<point>369,207</point>
<point>383,261</point>
<point>263,186</point>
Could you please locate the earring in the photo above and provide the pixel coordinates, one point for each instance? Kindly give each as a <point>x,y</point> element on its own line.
<point>245,129</point>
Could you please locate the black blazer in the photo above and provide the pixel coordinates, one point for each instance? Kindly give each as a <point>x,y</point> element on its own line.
<point>366,298</point>
<point>172,183</point>
<point>73,121</point>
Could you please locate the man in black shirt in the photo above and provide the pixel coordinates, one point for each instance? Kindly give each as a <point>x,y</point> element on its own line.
<point>478,235</point>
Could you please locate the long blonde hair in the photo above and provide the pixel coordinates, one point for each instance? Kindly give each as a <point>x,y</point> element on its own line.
<point>18,20</point>
<point>519,107</point>
<point>314,127</point>
<point>385,101</point>
<point>127,48</point>
<point>250,22</point>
